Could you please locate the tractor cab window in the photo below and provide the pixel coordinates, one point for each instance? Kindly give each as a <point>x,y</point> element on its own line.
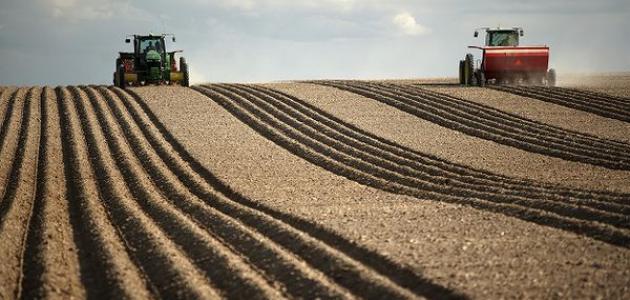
<point>151,44</point>
<point>502,38</point>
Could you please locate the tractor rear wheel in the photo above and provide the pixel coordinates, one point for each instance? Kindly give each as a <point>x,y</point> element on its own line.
<point>551,77</point>
<point>116,71</point>
<point>468,69</point>
<point>462,77</point>
<point>183,67</point>
<point>121,77</point>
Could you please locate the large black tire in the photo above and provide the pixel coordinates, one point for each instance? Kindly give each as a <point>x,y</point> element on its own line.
<point>551,77</point>
<point>121,77</point>
<point>462,79</point>
<point>116,72</point>
<point>183,67</point>
<point>469,69</point>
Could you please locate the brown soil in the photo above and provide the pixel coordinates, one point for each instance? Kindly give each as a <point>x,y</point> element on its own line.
<point>427,137</point>
<point>544,112</point>
<point>306,191</point>
<point>267,174</point>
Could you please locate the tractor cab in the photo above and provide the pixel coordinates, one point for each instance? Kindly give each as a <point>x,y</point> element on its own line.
<point>146,44</point>
<point>502,37</point>
<point>150,51</point>
<point>150,63</point>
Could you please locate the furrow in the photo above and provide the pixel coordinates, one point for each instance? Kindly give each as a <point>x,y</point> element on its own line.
<point>9,137</point>
<point>593,94</point>
<point>332,265</point>
<point>5,100</point>
<point>563,135</point>
<point>414,178</point>
<point>373,176</point>
<point>597,104</point>
<point>227,272</point>
<point>456,184</point>
<point>169,270</point>
<point>501,133</point>
<point>106,269</point>
<point>565,139</point>
<point>506,125</point>
<point>359,134</point>
<point>51,265</point>
<point>238,204</point>
<point>602,109</point>
<point>17,203</point>
<point>599,100</point>
<point>432,165</point>
<point>326,257</point>
<point>8,115</point>
<point>282,268</point>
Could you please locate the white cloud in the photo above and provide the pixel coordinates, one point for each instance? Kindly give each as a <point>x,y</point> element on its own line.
<point>408,25</point>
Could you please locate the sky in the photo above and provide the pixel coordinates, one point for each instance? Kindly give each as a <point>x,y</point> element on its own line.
<point>63,42</point>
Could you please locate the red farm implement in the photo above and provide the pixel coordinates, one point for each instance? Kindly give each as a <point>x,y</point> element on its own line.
<point>504,61</point>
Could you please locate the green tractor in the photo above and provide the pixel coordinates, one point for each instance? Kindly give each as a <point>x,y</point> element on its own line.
<point>150,63</point>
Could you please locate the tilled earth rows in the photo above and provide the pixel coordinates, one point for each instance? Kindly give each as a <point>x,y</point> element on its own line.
<point>501,127</point>
<point>597,103</point>
<point>99,199</point>
<point>346,150</point>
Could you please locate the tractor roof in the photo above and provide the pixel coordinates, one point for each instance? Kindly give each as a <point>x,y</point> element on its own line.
<point>490,30</point>
<point>150,35</point>
<point>502,29</point>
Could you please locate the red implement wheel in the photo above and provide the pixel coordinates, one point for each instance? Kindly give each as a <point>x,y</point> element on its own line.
<point>551,77</point>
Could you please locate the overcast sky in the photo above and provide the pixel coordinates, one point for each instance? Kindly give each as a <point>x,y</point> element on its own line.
<point>76,41</point>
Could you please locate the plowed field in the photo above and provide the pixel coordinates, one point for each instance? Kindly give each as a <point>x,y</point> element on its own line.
<point>326,189</point>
